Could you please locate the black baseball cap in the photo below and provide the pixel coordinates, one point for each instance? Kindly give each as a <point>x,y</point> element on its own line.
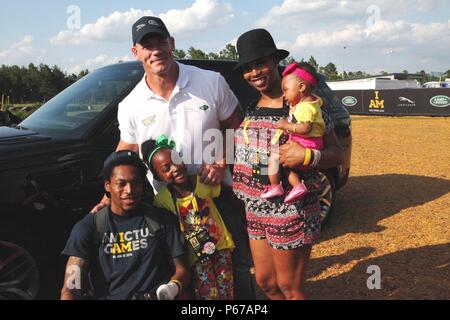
<point>146,25</point>
<point>116,156</point>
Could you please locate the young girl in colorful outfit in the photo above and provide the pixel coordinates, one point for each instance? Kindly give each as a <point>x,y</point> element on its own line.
<point>304,125</point>
<point>209,240</point>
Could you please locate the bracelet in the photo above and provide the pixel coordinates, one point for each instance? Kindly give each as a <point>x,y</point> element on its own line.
<point>179,285</point>
<point>307,159</point>
<point>317,157</point>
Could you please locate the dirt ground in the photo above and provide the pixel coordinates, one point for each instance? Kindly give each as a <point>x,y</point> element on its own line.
<point>393,213</point>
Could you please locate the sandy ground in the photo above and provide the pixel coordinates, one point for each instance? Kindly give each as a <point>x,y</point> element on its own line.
<point>393,213</point>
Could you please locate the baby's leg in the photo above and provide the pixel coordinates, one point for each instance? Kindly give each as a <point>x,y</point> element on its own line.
<point>299,189</point>
<point>274,170</point>
<point>275,189</point>
<point>293,178</point>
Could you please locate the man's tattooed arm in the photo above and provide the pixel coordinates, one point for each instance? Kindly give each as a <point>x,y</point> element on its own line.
<point>75,279</point>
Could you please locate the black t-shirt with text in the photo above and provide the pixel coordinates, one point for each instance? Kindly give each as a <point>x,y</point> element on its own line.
<point>130,258</point>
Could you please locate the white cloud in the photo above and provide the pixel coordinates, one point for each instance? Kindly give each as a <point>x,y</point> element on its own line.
<point>398,45</point>
<point>202,15</point>
<point>26,41</point>
<point>21,52</point>
<point>97,62</point>
<point>289,8</point>
<point>398,34</point>
<point>381,34</point>
<point>114,28</point>
<point>301,13</point>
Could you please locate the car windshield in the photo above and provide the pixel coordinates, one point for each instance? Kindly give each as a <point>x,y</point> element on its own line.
<point>70,113</point>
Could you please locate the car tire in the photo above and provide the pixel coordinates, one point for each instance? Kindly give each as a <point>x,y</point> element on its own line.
<point>19,275</point>
<point>327,197</point>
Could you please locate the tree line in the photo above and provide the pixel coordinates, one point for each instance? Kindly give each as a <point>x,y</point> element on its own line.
<point>40,83</point>
<point>34,83</point>
<point>329,70</point>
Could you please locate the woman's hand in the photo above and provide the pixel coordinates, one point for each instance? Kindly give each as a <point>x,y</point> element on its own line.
<point>291,154</point>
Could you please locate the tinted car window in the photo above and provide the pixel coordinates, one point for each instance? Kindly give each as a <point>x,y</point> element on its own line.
<point>67,114</point>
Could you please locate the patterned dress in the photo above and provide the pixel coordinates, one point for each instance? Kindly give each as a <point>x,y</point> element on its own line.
<point>285,226</point>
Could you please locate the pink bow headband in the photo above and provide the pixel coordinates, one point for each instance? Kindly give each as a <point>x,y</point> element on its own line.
<point>305,75</point>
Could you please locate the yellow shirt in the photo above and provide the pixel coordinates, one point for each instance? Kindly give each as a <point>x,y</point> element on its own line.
<point>310,111</point>
<point>198,210</point>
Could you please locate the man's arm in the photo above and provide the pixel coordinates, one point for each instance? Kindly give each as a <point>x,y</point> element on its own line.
<point>75,279</point>
<point>182,273</point>
<point>233,121</point>
<point>180,280</point>
<point>214,173</point>
<point>127,146</point>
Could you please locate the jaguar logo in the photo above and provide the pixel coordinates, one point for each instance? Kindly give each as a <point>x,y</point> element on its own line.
<point>406,100</point>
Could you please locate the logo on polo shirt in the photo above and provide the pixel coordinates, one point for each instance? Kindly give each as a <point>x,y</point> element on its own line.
<point>149,121</point>
<point>204,107</point>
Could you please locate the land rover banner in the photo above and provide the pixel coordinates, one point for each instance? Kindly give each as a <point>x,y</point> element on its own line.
<point>401,102</point>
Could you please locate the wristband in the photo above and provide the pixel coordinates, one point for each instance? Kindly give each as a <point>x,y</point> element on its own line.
<point>307,159</point>
<point>317,157</point>
<point>178,283</point>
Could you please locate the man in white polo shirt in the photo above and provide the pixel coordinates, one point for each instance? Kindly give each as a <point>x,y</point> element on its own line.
<point>177,100</point>
<point>201,100</point>
<point>182,102</point>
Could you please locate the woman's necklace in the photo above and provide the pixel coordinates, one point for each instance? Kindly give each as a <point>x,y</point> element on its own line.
<point>272,102</point>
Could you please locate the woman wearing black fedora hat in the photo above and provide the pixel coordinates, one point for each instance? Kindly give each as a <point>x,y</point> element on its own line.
<point>281,234</point>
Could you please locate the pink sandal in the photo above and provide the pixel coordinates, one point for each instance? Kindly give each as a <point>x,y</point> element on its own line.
<point>272,191</point>
<point>297,193</point>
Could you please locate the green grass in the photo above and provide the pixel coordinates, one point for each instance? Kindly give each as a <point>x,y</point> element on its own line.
<point>24,110</point>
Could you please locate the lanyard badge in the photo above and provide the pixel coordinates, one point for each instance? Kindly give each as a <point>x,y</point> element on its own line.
<point>201,243</point>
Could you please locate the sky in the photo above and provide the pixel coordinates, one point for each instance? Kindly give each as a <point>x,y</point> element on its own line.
<point>366,35</point>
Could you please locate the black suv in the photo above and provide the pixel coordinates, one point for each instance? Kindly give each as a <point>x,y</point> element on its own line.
<point>50,163</point>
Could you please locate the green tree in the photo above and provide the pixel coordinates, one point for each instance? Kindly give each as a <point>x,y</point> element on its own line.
<point>287,60</point>
<point>312,61</point>
<point>179,54</point>
<point>330,71</point>
<point>228,53</point>
<point>196,54</point>
<point>82,73</point>
<point>424,77</point>
<point>33,84</point>
<point>213,56</point>
<point>46,87</point>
